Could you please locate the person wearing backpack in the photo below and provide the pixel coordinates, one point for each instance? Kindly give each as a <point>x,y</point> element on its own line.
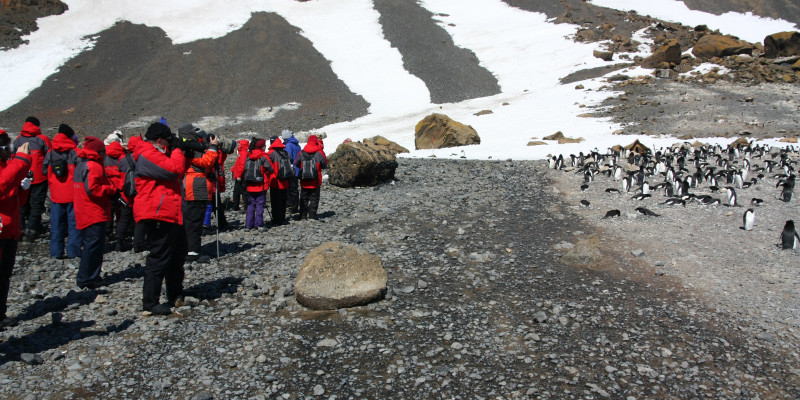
<point>257,174</point>
<point>279,184</point>
<point>293,149</point>
<point>39,145</point>
<point>237,170</point>
<point>13,170</point>
<point>128,167</point>
<point>59,166</point>
<point>114,154</point>
<point>91,191</point>
<point>118,163</point>
<point>199,189</point>
<point>310,163</point>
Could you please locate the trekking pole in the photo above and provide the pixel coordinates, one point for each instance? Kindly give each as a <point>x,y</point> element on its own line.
<point>216,208</point>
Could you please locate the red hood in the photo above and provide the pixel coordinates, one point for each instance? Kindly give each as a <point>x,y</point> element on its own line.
<point>115,150</point>
<point>277,144</point>
<point>30,130</point>
<point>243,145</point>
<point>133,142</point>
<point>63,143</point>
<point>256,153</point>
<point>313,145</point>
<point>89,155</point>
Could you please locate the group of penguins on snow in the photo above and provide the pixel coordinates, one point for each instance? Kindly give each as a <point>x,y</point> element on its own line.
<point>713,165</point>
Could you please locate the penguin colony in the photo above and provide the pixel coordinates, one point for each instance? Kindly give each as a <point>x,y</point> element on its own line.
<point>687,176</point>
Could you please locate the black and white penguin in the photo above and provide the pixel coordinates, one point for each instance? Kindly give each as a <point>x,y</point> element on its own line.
<point>647,212</point>
<point>756,202</point>
<point>645,187</point>
<point>675,202</point>
<point>584,187</point>
<point>585,203</point>
<point>748,219</point>
<point>617,173</point>
<point>789,237</point>
<point>612,214</point>
<point>641,197</point>
<point>626,184</point>
<point>730,194</point>
<point>738,180</point>
<point>612,190</point>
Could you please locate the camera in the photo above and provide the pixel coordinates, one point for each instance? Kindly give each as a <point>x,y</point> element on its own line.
<point>225,145</point>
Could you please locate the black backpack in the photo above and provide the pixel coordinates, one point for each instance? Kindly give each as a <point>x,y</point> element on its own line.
<point>285,167</point>
<point>58,164</point>
<point>308,168</point>
<point>252,171</point>
<point>129,182</point>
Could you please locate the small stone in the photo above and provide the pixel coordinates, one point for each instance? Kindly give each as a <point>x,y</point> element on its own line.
<point>319,390</point>
<point>408,289</point>
<point>638,253</point>
<point>31,359</point>
<point>540,317</point>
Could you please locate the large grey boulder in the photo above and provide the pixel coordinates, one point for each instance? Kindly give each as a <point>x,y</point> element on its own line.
<point>438,131</point>
<point>337,275</point>
<point>361,164</point>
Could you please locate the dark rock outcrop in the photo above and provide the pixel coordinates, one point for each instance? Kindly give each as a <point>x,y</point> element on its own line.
<point>782,44</point>
<point>669,53</point>
<point>362,164</point>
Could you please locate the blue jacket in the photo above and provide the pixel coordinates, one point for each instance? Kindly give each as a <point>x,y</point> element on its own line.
<point>293,148</point>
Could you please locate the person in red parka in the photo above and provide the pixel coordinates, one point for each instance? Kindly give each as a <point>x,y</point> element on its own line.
<point>38,145</point>
<point>127,163</point>
<point>158,206</point>
<point>59,165</point>
<point>257,188</point>
<point>239,189</point>
<point>314,156</point>
<point>114,154</point>
<point>91,192</point>
<point>199,191</point>
<point>279,185</point>
<point>12,196</point>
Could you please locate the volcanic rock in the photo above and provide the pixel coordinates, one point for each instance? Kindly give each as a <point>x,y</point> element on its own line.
<point>670,52</point>
<point>361,164</point>
<point>438,131</point>
<point>336,275</point>
<point>782,44</point>
<point>710,46</point>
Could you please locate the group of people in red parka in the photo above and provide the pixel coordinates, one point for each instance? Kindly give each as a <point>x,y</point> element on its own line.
<point>174,186</point>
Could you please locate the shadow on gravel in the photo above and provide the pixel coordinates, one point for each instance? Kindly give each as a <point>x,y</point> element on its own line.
<point>55,303</point>
<point>214,289</point>
<point>53,336</point>
<point>134,272</point>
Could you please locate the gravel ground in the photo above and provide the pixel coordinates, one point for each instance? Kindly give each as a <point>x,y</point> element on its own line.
<point>490,296</point>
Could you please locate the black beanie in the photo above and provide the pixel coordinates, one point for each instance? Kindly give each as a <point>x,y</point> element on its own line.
<point>158,130</point>
<point>67,130</point>
<point>33,120</point>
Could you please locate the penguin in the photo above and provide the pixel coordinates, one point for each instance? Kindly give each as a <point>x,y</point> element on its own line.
<point>675,202</point>
<point>756,202</point>
<point>552,162</point>
<point>626,184</point>
<point>738,180</point>
<point>585,203</point>
<point>748,219</point>
<point>647,212</point>
<point>789,237</point>
<point>463,155</point>
<point>612,190</point>
<point>731,196</point>
<point>641,197</point>
<point>786,194</point>
<point>617,173</point>
<point>584,187</point>
<point>612,214</point>
<point>646,187</point>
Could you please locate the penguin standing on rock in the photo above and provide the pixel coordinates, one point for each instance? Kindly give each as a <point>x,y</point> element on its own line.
<point>789,237</point>
<point>748,219</point>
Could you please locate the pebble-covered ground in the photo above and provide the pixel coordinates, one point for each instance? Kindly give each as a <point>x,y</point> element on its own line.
<point>487,299</point>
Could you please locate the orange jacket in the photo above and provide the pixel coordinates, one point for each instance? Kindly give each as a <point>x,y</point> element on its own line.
<point>199,181</point>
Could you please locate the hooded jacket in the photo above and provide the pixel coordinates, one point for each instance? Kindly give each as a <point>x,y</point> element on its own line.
<point>199,180</point>
<point>292,147</point>
<point>266,171</point>
<point>126,163</point>
<point>313,153</point>
<point>158,184</point>
<point>238,167</point>
<point>277,151</point>
<point>91,190</point>
<point>12,197</point>
<point>38,145</point>
<point>61,186</point>
<point>114,154</point>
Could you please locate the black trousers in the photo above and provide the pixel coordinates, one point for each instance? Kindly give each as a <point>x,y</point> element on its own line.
<point>167,245</point>
<point>34,208</point>
<point>139,237</point>
<point>239,191</point>
<point>277,199</point>
<point>293,194</point>
<point>8,255</point>
<point>309,202</point>
<point>124,224</point>
<point>94,239</point>
<point>193,215</point>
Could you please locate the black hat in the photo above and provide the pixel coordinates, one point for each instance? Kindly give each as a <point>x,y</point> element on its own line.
<point>67,130</point>
<point>158,130</point>
<point>187,129</point>
<point>33,120</point>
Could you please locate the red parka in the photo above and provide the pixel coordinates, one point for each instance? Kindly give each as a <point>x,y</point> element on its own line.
<point>61,186</point>
<point>237,170</point>
<point>91,190</point>
<point>126,162</point>
<point>12,197</point>
<point>197,183</point>
<point>158,184</point>
<point>38,145</point>
<point>266,170</point>
<point>312,150</point>
<point>277,151</point>
<point>114,154</point>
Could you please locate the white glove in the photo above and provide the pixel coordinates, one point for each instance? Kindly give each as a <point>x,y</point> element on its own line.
<point>25,184</point>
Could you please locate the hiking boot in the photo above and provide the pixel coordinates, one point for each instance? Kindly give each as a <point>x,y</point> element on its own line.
<point>178,302</point>
<point>192,256</point>
<point>203,259</point>
<point>91,285</point>
<point>160,309</point>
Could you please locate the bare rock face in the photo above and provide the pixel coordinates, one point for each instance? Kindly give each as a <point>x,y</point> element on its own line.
<point>380,141</point>
<point>438,131</point>
<point>18,18</point>
<point>362,164</point>
<point>670,53</point>
<point>337,275</point>
<point>782,44</point>
<point>710,46</point>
